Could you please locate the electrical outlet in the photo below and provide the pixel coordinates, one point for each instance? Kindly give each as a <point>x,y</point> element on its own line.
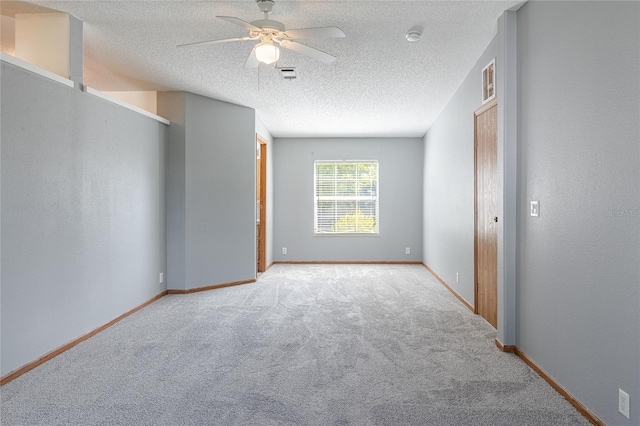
<point>161,278</point>
<point>284,250</point>
<point>623,403</point>
<point>407,250</point>
<point>457,277</point>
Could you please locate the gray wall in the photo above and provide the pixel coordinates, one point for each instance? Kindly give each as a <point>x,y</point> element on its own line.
<point>83,222</point>
<point>214,208</point>
<point>578,294</point>
<point>172,105</point>
<point>449,184</point>
<point>262,130</point>
<point>400,200</point>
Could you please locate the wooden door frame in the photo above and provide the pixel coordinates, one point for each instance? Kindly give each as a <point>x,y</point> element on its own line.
<point>262,265</point>
<point>476,113</point>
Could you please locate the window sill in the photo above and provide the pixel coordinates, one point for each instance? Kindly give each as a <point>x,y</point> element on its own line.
<point>346,234</point>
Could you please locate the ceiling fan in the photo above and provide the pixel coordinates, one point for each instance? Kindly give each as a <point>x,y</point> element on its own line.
<point>272,33</point>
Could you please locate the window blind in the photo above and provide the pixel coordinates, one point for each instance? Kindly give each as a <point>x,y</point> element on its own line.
<point>346,197</point>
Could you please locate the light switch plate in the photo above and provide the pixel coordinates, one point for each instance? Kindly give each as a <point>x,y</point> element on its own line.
<point>535,209</point>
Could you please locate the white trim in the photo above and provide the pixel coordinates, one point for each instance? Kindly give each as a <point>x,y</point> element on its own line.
<point>35,69</point>
<point>111,99</point>
<point>347,234</point>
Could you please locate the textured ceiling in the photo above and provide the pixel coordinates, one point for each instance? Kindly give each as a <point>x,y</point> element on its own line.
<point>380,85</point>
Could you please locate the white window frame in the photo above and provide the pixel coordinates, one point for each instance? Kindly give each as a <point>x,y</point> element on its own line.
<point>354,197</point>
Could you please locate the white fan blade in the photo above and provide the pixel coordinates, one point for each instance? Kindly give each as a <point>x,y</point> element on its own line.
<point>308,51</point>
<point>218,41</point>
<point>252,61</point>
<point>325,32</point>
<point>239,22</point>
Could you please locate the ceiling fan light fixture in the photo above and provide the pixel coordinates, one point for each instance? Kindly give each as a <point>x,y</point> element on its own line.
<point>267,53</point>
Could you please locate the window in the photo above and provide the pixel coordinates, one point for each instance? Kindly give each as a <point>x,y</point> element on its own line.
<point>346,197</point>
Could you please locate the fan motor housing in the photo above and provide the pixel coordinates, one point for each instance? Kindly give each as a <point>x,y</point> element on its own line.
<point>268,24</point>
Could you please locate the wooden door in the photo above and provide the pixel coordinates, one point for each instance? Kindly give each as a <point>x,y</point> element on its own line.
<point>261,204</point>
<point>486,218</point>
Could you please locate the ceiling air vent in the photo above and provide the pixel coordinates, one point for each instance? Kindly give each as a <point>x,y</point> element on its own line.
<point>288,73</point>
